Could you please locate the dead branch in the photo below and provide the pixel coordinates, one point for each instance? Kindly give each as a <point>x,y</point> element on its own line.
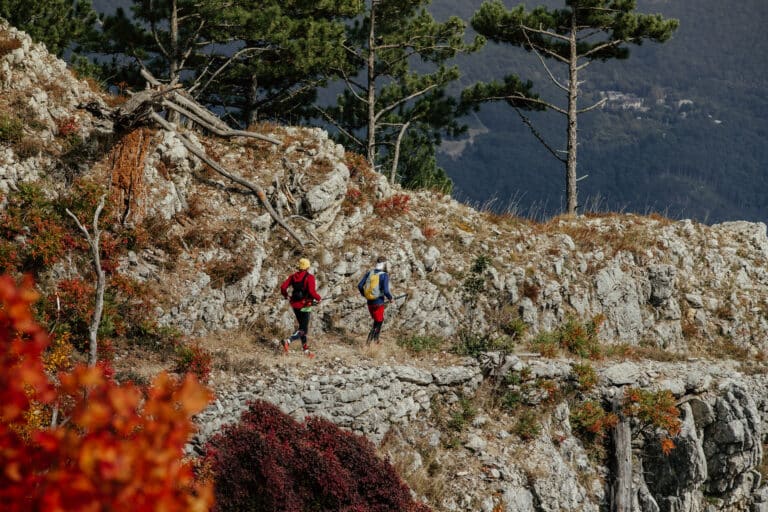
<point>188,107</point>
<point>256,189</point>
<point>93,242</point>
<point>143,107</point>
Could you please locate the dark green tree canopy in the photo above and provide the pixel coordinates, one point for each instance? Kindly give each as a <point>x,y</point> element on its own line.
<point>56,23</point>
<point>604,27</point>
<point>288,50</point>
<point>250,57</point>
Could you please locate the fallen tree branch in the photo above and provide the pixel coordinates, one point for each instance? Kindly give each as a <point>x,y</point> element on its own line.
<point>199,114</point>
<point>222,132</point>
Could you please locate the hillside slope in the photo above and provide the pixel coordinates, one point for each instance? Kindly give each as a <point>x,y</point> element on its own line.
<point>693,148</point>
<point>531,301</point>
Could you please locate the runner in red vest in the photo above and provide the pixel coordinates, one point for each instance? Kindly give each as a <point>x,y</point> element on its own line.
<point>302,297</point>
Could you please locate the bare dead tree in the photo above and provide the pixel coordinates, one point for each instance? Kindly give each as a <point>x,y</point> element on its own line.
<point>93,242</point>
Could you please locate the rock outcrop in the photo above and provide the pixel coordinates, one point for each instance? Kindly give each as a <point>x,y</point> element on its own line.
<point>713,466</point>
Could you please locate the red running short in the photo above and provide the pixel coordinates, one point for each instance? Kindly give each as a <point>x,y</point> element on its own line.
<point>377,312</point>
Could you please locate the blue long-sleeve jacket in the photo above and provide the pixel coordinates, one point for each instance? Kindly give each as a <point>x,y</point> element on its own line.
<point>383,287</point>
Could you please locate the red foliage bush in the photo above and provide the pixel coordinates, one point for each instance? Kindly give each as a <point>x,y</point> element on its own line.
<point>394,205</point>
<point>193,359</point>
<point>67,126</point>
<point>268,463</point>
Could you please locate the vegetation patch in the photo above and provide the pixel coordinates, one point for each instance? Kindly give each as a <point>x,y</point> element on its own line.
<point>393,206</point>
<point>194,359</point>
<point>419,344</point>
<point>575,337</point>
<point>269,462</point>
<point>11,128</point>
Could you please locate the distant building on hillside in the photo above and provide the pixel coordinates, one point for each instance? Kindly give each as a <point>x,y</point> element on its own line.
<point>617,100</point>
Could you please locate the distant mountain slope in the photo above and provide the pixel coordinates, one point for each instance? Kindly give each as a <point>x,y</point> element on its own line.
<point>704,158</point>
<point>700,154</point>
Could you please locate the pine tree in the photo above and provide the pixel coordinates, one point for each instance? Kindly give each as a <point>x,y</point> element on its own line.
<point>582,32</point>
<point>168,37</point>
<point>56,23</point>
<point>385,99</point>
<point>249,58</point>
<point>287,48</point>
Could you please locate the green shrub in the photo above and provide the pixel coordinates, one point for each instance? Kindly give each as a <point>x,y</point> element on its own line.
<point>574,337</point>
<point>527,426</point>
<point>515,328</point>
<point>11,129</point>
<point>581,338</point>
<point>511,399</point>
<point>591,423</point>
<point>471,344</point>
<point>463,416</point>
<point>586,376</point>
<point>421,343</point>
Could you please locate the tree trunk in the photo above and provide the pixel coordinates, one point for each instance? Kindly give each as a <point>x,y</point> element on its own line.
<point>573,95</point>
<point>621,490</point>
<point>93,242</point>
<point>173,59</point>
<point>251,113</point>
<point>371,149</point>
<point>396,157</point>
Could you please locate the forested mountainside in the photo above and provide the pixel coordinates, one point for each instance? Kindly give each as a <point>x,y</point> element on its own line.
<point>686,136</point>
<point>683,132</point>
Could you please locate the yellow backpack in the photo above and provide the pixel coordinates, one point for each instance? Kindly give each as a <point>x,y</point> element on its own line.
<point>371,287</point>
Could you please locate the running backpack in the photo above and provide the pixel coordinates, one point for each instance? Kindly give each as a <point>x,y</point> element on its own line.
<point>299,289</point>
<point>371,287</point>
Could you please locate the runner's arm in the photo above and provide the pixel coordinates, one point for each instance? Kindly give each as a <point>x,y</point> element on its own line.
<point>384,284</point>
<point>311,288</point>
<point>284,287</point>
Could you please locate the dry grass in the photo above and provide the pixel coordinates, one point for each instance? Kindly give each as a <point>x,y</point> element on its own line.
<point>429,477</point>
<point>643,352</point>
<point>628,233</point>
<point>234,352</point>
<point>29,147</point>
<point>722,348</point>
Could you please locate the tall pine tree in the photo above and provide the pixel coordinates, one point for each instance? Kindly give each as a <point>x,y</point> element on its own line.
<point>171,38</point>
<point>386,102</point>
<point>582,32</point>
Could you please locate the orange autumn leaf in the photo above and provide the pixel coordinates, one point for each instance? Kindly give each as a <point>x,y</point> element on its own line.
<point>667,445</point>
<point>116,454</point>
<point>192,395</point>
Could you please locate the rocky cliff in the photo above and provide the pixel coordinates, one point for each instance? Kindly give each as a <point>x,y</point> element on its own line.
<point>692,294</point>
